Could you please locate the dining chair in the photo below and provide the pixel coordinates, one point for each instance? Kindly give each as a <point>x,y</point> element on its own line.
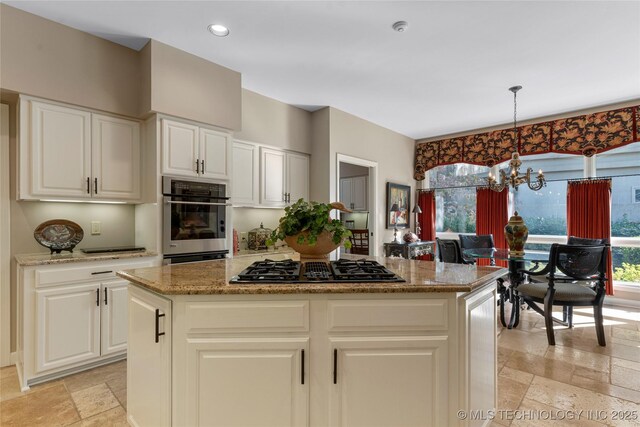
<point>583,270</point>
<point>449,251</point>
<point>359,241</point>
<point>482,241</point>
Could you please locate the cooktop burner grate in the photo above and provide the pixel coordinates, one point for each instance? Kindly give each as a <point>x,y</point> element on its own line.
<point>289,271</point>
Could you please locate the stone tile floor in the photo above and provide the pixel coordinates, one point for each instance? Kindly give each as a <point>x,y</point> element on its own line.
<point>534,381</point>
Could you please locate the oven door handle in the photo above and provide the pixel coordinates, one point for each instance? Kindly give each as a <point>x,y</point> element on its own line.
<point>173,202</point>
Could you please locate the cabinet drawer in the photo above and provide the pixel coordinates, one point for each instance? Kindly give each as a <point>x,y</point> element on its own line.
<point>97,272</point>
<point>401,315</point>
<point>259,316</point>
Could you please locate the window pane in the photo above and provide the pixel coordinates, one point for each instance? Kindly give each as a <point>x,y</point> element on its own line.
<point>457,175</point>
<point>456,210</point>
<point>544,211</point>
<point>621,161</point>
<point>554,165</point>
<point>626,265</point>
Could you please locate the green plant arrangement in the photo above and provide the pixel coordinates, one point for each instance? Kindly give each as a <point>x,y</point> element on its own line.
<point>308,220</point>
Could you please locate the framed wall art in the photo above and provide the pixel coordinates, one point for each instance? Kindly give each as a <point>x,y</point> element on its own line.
<point>398,197</point>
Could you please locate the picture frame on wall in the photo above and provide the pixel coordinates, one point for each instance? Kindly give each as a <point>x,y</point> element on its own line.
<point>400,194</point>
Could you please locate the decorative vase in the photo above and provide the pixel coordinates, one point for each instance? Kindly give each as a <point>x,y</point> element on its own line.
<point>516,233</point>
<point>257,238</point>
<point>318,252</point>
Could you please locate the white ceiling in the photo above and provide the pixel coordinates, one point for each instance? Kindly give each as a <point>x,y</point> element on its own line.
<point>448,72</point>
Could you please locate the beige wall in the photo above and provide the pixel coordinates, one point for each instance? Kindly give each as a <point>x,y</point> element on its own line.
<point>393,152</point>
<point>320,151</point>
<point>187,86</point>
<point>348,170</point>
<point>46,59</point>
<point>245,219</point>
<point>271,122</point>
<point>336,132</point>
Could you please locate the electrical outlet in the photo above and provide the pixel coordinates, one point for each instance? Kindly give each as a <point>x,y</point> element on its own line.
<point>243,235</point>
<point>96,227</point>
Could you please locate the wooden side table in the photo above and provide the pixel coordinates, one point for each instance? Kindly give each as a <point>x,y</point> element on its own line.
<point>409,250</point>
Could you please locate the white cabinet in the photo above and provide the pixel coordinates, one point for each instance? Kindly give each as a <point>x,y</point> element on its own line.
<point>272,177</point>
<point>389,381</point>
<point>68,325</point>
<point>149,360</point>
<point>114,317</point>
<point>193,151</point>
<point>80,322</point>
<point>70,153</point>
<point>267,375</point>
<point>115,151</point>
<point>71,316</point>
<point>245,181</point>
<point>284,177</point>
<point>353,193</point>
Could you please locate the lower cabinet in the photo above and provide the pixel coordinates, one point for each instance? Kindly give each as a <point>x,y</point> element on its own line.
<point>389,381</point>
<point>71,317</point>
<point>266,374</point>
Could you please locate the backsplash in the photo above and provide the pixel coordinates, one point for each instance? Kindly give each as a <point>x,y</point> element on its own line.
<point>117,223</point>
<point>245,219</point>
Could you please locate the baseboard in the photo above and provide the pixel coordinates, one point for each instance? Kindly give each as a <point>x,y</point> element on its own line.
<point>13,358</point>
<point>76,369</point>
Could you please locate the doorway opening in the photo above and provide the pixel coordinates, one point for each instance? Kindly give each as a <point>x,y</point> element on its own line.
<point>356,189</point>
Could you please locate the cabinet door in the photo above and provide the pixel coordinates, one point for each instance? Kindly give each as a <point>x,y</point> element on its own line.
<point>297,169</point>
<point>359,192</point>
<point>345,192</point>
<point>68,325</point>
<point>148,361</point>
<point>179,148</point>
<point>246,176</point>
<point>214,154</point>
<point>114,317</point>
<point>116,158</point>
<point>264,374</point>
<point>60,151</point>
<point>272,186</point>
<point>389,381</point>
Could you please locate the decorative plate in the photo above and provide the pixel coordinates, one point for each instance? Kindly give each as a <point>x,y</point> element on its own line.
<point>59,235</point>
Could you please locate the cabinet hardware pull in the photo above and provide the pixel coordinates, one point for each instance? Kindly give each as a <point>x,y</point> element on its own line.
<point>88,185</point>
<point>95,185</point>
<point>302,366</point>
<point>197,166</point>
<point>202,164</point>
<point>106,298</point>
<point>101,272</point>
<point>284,197</point>
<point>335,366</point>
<point>98,297</point>
<point>288,197</point>
<point>158,333</point>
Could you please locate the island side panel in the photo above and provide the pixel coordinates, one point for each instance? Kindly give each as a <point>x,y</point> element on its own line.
<point>477,357</point>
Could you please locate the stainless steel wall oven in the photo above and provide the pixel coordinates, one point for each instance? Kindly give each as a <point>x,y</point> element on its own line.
<point>194,223</point>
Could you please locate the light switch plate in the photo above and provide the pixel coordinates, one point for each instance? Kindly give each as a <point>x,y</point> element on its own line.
<point>96,227</point>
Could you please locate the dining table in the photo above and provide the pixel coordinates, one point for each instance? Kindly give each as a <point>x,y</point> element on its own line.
<point>515,264</point>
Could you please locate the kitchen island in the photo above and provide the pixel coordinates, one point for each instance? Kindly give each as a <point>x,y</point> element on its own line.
<point>203,351</point>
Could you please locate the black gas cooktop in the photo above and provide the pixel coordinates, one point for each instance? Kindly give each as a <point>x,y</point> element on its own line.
<point>289,271</point>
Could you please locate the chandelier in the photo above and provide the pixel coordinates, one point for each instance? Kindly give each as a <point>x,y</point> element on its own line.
<point>513,177</point>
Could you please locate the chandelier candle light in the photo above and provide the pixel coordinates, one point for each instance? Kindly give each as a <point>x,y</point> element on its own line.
<point>513,177</point>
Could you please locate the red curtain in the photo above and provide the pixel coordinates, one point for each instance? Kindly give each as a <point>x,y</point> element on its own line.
<point>589,214</point>
<point>492,214</point>
<point>427,219</point>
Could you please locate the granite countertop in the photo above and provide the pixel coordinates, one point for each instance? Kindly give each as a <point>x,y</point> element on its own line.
<point>26,260</point>
<point>212,277</point>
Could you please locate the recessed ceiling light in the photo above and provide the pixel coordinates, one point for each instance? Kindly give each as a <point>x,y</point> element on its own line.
<point>400,26</point>
<point>218,30</point>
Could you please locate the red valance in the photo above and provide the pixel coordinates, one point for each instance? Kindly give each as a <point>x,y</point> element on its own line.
<point>586,135</point>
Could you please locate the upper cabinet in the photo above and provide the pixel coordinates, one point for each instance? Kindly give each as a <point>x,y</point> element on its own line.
<point>192,151</point>
<point>353,193</point>
<point>69,153</point>
<point>268,176</point>
<point>284,177</point>
<point>245,182</point>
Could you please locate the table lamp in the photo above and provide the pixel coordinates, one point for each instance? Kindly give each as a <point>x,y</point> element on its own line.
<point>395,208</point>
<point>416,210</point>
